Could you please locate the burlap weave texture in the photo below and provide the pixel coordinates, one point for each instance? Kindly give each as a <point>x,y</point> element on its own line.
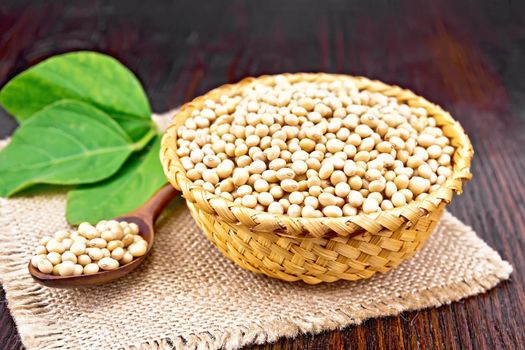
<point>187,295</point>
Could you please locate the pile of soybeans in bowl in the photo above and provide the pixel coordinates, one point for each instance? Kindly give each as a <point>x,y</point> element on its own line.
<point>314,149</point>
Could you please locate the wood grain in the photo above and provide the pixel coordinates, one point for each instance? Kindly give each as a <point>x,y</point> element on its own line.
<point>467,56</point>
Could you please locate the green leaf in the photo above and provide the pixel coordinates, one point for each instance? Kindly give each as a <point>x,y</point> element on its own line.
<point>68,142</point>
<point>94,78</point>
<point>140,177</point>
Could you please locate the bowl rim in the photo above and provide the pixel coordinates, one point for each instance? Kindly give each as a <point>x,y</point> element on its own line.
<point>287,226</point>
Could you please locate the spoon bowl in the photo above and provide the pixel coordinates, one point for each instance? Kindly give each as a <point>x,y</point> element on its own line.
<point>144,217</point>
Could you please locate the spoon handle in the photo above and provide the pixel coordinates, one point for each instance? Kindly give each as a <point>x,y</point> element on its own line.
<point>154,206</point>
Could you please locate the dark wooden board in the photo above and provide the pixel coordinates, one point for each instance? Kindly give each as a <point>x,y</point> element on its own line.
<point>468,56</point>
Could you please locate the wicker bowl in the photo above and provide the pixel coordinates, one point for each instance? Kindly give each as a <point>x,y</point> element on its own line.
<point>324,249</point>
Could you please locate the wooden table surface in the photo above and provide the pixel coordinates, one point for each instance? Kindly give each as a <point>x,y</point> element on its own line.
<point>467,56</point>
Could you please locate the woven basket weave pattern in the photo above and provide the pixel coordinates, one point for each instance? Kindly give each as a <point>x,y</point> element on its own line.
<point>318,249</point>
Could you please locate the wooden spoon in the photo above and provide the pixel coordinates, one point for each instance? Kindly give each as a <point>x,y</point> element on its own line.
<point>144,217</point>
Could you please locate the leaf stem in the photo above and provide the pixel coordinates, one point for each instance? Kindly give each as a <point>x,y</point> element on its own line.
<point>145,139</point>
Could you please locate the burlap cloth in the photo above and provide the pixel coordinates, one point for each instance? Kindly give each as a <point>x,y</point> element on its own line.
<point>186,295</point>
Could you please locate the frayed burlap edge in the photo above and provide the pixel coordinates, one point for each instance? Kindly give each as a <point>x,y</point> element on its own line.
<point>37,334</point>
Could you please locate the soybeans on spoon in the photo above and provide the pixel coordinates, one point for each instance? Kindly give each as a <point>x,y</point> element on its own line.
<point>144,217</point>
